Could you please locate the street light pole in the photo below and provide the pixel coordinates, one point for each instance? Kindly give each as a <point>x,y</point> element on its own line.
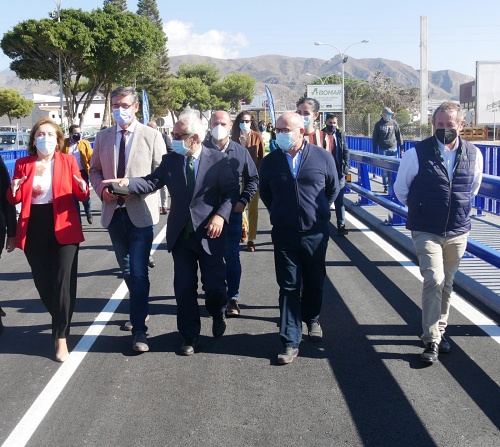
<point>343,61</point>
<point>316,76</point>
<point>58,6</point>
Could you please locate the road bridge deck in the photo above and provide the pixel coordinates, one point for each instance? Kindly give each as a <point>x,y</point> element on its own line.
<point>362,385</point>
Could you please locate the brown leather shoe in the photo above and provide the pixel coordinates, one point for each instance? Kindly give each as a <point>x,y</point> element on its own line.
<point>244,234</point>
<point>250,246</point>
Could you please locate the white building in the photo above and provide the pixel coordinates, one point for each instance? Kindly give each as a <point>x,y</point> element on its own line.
<point>46,106</point>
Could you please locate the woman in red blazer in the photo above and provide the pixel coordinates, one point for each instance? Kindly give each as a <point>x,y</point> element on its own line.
<point>49,229</point>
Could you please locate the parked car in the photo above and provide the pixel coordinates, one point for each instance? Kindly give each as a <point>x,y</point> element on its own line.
<point>14,140</point>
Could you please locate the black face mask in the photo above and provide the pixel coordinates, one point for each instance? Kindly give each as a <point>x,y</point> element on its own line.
<point>76,137</point>
<point>262,128</point>
<point>446,136</point>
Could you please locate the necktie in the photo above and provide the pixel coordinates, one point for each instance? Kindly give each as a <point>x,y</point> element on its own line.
<point>120,170</point>
<point>190,184</point>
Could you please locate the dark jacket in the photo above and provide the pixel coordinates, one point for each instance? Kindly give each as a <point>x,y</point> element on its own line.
<point>302,203</point>
<point>215,192</point>
<point>386,135</point>
<point>244,169</point>
<point>340,155</point>
<point>7,211</point>
<point>436,204</point>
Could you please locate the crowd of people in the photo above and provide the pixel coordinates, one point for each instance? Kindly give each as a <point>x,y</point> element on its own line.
<point>296,169</point>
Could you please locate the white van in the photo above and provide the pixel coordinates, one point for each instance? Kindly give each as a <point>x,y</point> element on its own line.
<point>14,140</point>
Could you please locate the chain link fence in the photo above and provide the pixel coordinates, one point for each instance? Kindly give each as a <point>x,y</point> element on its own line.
<point>362,126</point>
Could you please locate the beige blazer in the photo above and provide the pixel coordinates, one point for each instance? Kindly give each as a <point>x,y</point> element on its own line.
<point>146,151</point>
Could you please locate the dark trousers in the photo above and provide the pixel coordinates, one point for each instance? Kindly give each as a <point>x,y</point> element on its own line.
<point>54,268</point>
<point>340,208</point>
<point>187,254</point>
<point>299,259</point>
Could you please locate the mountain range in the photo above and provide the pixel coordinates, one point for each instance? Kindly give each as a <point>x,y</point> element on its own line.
<point>287,76</point>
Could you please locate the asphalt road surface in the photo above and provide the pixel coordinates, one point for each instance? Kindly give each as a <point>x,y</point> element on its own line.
<point>363,385</point>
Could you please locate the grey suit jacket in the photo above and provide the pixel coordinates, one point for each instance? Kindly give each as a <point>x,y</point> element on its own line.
<point>215,192</point>
<point>146,150</point>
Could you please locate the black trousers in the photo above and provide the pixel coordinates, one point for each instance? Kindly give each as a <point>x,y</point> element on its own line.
<point>54,268</point>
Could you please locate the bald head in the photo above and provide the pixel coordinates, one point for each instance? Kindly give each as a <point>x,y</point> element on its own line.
<point>220,123</point>
<point>220,117</point>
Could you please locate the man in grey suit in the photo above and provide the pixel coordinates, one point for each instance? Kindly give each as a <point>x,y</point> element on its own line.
<point>129,149</point>
<point>203,191</point>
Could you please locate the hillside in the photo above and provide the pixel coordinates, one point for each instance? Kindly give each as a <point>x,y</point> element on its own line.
<point>286,76</point>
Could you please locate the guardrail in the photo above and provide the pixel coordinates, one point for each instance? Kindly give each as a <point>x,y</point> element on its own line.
<point>10,156</point>
<point>490,188</point>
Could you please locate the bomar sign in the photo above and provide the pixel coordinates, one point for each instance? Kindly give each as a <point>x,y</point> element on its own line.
<point>329,96</point>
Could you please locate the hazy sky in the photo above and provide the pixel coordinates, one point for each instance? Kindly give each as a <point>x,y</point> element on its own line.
<point>459,32</point>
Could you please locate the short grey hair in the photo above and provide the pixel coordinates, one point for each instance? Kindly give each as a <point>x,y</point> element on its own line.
<point>450,107</point>
<point>125,91</point>
<point>194,125</point>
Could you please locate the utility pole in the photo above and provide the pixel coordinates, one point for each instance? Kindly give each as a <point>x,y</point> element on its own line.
<point>424,72</point>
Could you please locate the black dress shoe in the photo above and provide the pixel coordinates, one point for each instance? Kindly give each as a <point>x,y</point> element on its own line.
<point>140,342</point>
<point>430,354</point>
<point>444,345</point>
<point>219,326</point>
<point>151,262</point>
<point>190,346</point>
<point>90,219</point>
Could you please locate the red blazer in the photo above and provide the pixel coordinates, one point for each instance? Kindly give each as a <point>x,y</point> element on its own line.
<point>67,226</point>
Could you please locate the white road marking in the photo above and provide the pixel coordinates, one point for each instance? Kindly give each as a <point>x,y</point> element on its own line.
<point>466,309</point>
<point>35,414</point>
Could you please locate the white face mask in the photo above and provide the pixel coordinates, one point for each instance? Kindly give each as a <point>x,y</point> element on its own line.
<point>46,144</point>
<point>122,116</point>
<point>219,132</point>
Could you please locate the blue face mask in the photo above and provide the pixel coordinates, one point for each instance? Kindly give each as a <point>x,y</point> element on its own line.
<point>285,141</point>
<point>245,127</point>
<point>122,116</point>
<point>307,121</point>
<point>388,116</point>
<point>179,148</point>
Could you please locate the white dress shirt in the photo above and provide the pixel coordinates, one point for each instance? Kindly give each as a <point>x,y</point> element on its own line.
<point>408,169</point>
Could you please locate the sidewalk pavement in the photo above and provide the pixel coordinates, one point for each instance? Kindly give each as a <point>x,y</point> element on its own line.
<point>475,276</point>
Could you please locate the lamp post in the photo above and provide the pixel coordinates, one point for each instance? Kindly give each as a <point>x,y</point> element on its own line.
<point>316,76</point>
<point>58,6</point>
<point>344,60</point>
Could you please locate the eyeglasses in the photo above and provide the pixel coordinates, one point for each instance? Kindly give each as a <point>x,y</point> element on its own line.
<point>245,121</point>
<point>285,130</point>
<point>181,136</point>
<point>123,106</point>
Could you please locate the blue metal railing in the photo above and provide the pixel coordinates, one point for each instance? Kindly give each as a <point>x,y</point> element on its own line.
<point>490,189</point>
<point>10,156</point>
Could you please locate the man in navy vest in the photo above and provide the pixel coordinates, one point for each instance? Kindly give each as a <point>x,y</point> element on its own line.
<point>436,181</point>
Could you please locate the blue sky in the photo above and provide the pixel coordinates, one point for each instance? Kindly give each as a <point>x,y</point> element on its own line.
<point>459,32</point>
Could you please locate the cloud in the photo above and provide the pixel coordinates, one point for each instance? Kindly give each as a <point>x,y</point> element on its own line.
<point>182,40</point>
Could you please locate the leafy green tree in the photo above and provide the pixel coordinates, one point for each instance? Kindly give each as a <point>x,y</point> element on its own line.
<point>121,5</point>
<point>235,87</point>
<point>190,92</point>
<point>14,105</point>
<point>155,82</point>
<point>206,72</point>
<point>93,48</point>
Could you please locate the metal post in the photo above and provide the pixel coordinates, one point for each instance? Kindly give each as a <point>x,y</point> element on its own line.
<point>58,6</point>
<point>343,61</point>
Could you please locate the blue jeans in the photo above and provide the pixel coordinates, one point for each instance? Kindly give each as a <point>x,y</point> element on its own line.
<point>393,152</point>
<point>132,246</point>
<point>232,256</point>
<point>86,203</point>
<point>299,259</point>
